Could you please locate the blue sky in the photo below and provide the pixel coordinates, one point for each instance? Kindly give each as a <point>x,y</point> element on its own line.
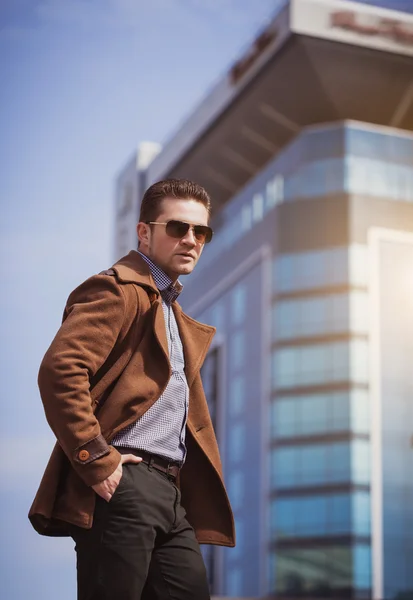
<point>82,83</point>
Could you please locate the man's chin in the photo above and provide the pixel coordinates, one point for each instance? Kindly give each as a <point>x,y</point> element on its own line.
<point>186,270</point>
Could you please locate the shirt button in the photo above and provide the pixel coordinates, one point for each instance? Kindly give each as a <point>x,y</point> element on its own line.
<point>83,455</point>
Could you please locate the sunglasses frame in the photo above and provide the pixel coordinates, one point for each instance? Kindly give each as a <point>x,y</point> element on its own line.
<point>208,231</point>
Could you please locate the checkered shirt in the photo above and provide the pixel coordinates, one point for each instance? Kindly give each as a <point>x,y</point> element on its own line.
<point>161,429</point>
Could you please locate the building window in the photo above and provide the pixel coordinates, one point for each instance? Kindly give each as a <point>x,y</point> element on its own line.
<point>246,218</point>
<point>360,411</point>
<point>311,516</point>
<point>320,315</point>
<point>320,364</point>
<point>210,381</point>
<point>239,304</point>
<point>236,395</point>
<point>362,566</point>
<point>237,552</point>
<point>360,459</point>
<point>361,511</point>
<point>257,207</point>
<point>316,178</point>
<point>311,465</point>
<point>312,572</point>
<point>218,317</point>
<point>379,178</point>
<point>237,442</point>
<point>209,556</point>
<point>236,488</point>
<point>320,269</point>
<point>234,578</point>
<point>311,414</point>
<point>274,192</point>
<point>237,350</point>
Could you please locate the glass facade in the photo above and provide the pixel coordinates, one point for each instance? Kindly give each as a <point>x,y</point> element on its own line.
<point>211,378</point>
<point>323,162</point>
<point>320,315</point>
<point>317,572</point>
<point>393,448</point>
<point>322,515</point>
<point>292,389</point>
<point>235,374</point>
<point>320,458</point>
<point>319,414</point>
<point>320,464</point>
<point>320,364</point>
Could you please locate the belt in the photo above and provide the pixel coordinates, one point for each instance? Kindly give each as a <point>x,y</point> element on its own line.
<point>169,467</point>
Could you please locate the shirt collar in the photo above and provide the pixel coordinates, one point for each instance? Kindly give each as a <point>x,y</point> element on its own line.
<point>169,289</point>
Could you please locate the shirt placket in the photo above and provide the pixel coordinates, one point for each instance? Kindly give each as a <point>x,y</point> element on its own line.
<point>178,372</point>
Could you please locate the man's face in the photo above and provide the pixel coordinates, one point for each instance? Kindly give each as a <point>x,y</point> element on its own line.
<point>174,256</point>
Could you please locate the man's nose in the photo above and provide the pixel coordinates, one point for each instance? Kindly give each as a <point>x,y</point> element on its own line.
<point>189,238</point>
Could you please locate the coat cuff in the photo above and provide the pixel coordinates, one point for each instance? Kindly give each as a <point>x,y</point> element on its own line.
<point>91,450</point>
<point>95,460</point>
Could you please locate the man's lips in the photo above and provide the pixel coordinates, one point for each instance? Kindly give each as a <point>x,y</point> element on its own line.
<point>186,255</point>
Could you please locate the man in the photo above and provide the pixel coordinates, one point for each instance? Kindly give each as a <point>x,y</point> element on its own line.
<point>122,392</point>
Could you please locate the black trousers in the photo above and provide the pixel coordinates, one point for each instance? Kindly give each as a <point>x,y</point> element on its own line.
<point>141,547</point>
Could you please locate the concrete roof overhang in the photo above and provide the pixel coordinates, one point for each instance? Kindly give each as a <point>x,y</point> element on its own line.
<point>308,80</point>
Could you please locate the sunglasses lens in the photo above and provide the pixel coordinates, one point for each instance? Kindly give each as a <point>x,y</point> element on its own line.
<point>203,233</point>
<point>179,229</point>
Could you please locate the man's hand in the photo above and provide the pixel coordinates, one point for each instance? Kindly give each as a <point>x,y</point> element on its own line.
<point>107,488</point>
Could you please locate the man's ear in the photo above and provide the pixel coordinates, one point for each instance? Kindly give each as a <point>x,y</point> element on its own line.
<point>143,231</point>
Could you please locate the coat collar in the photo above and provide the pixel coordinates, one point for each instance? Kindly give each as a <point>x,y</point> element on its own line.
<point>196,337</point>
<point>133,269</point>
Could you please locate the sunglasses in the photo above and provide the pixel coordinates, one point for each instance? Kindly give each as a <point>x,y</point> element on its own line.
<point>179,229</point>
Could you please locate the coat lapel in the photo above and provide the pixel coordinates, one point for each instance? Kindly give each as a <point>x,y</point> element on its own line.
<point>196,339</point>
<point>159,327</point>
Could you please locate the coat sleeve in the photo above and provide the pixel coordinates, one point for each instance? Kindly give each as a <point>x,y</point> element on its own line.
<point>94,315</point>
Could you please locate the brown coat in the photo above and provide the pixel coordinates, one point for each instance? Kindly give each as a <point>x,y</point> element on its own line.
<point>106,367</point>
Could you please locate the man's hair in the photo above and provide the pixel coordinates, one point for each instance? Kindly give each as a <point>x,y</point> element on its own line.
<point>181,189</point>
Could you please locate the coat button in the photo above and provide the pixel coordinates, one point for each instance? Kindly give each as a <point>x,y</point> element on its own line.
<point>83,455</point>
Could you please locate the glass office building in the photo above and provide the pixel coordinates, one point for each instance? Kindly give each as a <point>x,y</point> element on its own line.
<point>306,148</point>
<point>286,282</point>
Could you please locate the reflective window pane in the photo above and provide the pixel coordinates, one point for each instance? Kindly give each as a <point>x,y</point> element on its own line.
<point>361,461</point>
<point>284,420</point>
<point>234,578</point>
<point>237,350</point>
<point>284,468</point>
<point>257,207</point>
<point>311,414</point>
<point>360,411</point>
<point>313,464</point>
<point>239,549</point>
<point>320,315</point>
<point>320,269</point>
<point>317,571</point>
<point>339,514</point>
<point>320,364</point>
<point>339,412</point>
<point>236,395</point>
<point>237,442</point>
<point>362,566</point>
<point>359,359</point>
<point>238,304</point>
<point>236,488</point>
<point>361,505</point>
